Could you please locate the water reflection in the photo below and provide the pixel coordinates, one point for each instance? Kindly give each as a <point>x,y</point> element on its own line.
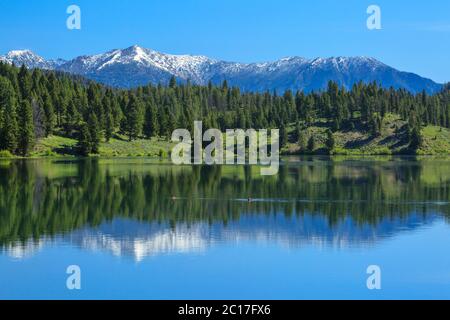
<point>139,209</point>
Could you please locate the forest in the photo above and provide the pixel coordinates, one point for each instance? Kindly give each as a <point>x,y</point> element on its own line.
<point>35,104</point>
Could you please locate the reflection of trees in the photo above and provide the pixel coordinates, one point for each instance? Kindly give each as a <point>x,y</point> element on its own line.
<point>36,202</point>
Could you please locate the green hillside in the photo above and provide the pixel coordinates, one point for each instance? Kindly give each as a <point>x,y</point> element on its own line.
<point>392,139</point>
<point>116,147</point>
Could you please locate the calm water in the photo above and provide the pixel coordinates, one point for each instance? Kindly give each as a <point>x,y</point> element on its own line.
<point>146,230</point>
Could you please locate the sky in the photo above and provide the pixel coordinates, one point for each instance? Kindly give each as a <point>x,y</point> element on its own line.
<point>414,35</point>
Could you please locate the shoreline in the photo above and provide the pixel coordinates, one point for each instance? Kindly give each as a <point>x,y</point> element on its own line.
<point>283,156</point>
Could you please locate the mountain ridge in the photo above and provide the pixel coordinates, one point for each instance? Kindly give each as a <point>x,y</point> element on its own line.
<point>135,66</point>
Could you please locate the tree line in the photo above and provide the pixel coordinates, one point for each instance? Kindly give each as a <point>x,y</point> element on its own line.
<point>38,103</point>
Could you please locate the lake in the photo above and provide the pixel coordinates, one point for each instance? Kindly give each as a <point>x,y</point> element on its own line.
<point>144,229</point>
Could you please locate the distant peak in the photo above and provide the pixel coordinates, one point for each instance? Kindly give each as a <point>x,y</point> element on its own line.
<point>29,59</point>
<point>134,48</point>
<point>22,55</point>
<point>14,53</point>
<point>343,59</point>
<point>291,58</point>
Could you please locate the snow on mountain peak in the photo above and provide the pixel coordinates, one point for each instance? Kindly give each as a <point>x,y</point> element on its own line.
<point>183,66</point>
<point>27,58</point>
<point>135,65</point>
<point>17,53</point>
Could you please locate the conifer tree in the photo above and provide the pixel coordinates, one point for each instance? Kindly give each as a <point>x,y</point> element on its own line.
<point>8,116</point>
<point>172,82</point>
<point>84,140</point>
<point>49,115</point>
<point>134,118</point>
<point>330,141</point>
<point>25,128</point>
<point>302,142</point>
<point>415,138</point>
<point>311,144</point>
<point>297,131</point>
<point>151,122</point>
<point>94,133</point>
<point>109,117</point>
<point>283,136</point>
<point>25,82</point>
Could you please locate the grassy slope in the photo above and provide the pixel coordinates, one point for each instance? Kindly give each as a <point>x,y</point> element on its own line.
<point>393,139</point>
<point>141,147</point>
<point>436,140</point>
<point>116,147</point>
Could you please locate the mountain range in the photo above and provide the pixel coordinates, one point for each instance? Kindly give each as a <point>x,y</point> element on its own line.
<point>136,66</point>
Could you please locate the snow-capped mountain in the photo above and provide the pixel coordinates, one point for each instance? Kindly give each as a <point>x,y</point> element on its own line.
<point>136,66</point>
<point>30,60</point>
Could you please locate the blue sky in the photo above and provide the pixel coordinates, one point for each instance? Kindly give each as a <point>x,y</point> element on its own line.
<point>415,35</point>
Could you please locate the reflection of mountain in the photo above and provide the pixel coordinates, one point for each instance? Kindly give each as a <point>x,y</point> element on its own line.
<point>24,250</point>
<point>139,240</point>
<point>132,239</point>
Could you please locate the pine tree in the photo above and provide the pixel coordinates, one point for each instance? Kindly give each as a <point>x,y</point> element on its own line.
<point>72,119</point>
<point>38,118</point>
<point>415,139</point>
<point>172,82</point>
<point>163,121</point>
<point>96,105</point>
<point>84,140</point>
<point>109,126</point>
<point>311,144</point>
<point>8,117</point>
<point>109,117</point>
<point>297,131</point>
<point>134,118</point>
<point>302,143</point>
<point>283,136</point>
<point>375,125</point>
<point>26,128</point>
<point>151,122</point>
<point>24,79</point>
<point>49,115</point>
<point>330,141</point>
<point>115,109</point>
<point>94,133</point>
